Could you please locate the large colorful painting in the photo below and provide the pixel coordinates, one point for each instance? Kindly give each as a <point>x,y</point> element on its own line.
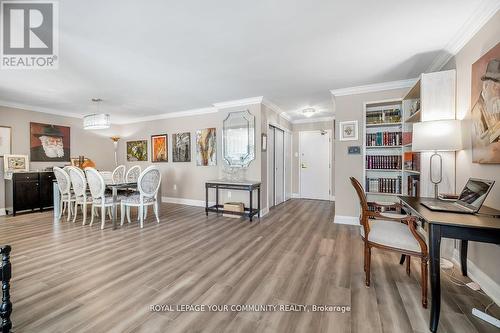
<point>159,148</point>
<point>206,147</point>
<point>485,107</point>
<point>181,149</point>
<point>49,143</point>
<point>137,151</point>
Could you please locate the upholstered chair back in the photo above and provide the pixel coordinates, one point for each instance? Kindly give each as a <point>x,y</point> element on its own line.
<point>96,183</point>
<point>63,180</point>
<point>149,182</point>
<point>118,175</point>
<point>133,174</point>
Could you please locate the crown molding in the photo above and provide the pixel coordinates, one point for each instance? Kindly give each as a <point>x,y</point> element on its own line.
<point>483,13</point>
<point>313,120</point>
<point>239,102</point>
<point>373,87</point>
<point>277,109</point>
<point>179,114</point>
<point>40,109</point>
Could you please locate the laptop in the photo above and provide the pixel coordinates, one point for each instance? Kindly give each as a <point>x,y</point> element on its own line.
<point>470,200</point>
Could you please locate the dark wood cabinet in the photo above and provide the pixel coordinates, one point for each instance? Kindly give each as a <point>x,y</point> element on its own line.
<point>29,191</point>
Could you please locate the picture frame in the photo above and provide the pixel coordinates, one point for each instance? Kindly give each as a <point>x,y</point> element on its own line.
<point>263,142</point>
<point>5,140</point>
<point>206,146</point>
<point>50,143</point>
<point>181,147</point>
<point>137,151</point>
<point>159,148</point>
<point>348,130</point>
<point>16,163</point>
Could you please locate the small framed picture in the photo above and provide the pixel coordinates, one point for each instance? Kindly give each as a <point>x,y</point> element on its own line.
<point>348,130</point>
<point>264,142</point>
<point>16,163</point>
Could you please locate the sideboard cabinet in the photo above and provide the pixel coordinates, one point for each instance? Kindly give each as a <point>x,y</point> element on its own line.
<point>29,191</point>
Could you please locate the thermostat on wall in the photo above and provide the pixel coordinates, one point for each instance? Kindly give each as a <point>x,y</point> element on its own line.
<point>354,150</point>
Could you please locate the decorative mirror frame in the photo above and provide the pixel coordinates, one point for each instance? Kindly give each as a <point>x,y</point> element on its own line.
<point>250,156</point>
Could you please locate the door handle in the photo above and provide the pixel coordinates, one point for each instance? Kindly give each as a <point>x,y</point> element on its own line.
<point>303,166</point>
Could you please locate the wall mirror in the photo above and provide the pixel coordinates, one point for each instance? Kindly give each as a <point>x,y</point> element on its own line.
<point>239,138</point>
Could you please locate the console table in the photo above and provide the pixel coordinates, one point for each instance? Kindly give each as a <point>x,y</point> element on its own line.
<point>249,186</point>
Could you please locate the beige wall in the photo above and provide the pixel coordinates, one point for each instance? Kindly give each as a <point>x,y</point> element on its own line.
<point>93,144</point>
<point>188,178</point>
<point>483,255</point>
<point>297,128</point>
<point>351,108</point>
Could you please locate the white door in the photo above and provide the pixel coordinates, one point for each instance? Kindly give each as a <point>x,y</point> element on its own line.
<point>288,164</point>
<point>314,147</point>
<point>270,162</point>
<point>279,166</point>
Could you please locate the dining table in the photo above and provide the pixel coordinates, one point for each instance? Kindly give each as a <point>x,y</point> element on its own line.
<point>110,185</point>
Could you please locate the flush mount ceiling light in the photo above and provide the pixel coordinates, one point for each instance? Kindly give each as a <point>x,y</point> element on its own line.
<point>308,112</point>
<point>96,120</point>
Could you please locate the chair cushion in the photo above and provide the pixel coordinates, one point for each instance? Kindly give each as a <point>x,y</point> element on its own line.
<point>392,234</point>
<point>107,199</point>
<point>136,199</point>
<point>393,215</point>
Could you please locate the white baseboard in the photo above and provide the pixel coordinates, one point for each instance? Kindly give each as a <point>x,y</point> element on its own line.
<point>2,212</point>
<point>490,287</point>
<point>264,212</point>
<point>187,202</point>
<point>332,198</point>
<point>295,195</point>
<point>351,220</point>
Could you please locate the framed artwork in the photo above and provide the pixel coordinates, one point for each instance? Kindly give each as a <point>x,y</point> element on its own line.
<point>159,148</point>
<point>49,143</point>
<point>16,163</point>
<point>181,149</point>
<point>348,130</point>
<point>264,142</point>
<point>5,140</point>
<point>206,147</point>
<point>137,151</point>
<point>485,107</point>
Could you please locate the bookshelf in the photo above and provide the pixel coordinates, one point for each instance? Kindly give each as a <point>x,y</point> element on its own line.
<point>383,149</point>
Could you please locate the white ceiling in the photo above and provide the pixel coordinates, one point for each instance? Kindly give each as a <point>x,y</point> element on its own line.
<point>146,58</point>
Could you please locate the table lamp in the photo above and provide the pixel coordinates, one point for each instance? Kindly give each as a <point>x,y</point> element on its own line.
<point>437,135</point>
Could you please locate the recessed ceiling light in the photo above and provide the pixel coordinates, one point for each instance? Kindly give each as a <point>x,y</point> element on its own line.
<point>308,112</point>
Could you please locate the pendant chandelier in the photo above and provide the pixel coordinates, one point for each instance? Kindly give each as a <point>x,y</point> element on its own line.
<point>97,120</point>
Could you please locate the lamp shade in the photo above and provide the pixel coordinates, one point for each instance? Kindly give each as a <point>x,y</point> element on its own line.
<point>96,121</point>
<point>437,135</point>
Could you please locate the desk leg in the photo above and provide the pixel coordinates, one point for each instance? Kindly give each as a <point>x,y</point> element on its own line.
<point>463,256</point>
<point>434,252</point>
<point>258,202</point>
<point>217,199</point>
<point>206,200</point>
<point>113,209</point>
<point>251,206</point>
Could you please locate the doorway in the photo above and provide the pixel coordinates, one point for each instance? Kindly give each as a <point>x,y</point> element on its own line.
<point>315,164</point>
<point>278,165</point>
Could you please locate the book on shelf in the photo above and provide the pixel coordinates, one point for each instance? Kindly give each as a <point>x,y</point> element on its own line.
<point>383,116</point>
<point>411,161</point>
<point>383,162</point>
<point>383,139</point>
<point>407,138</point>
<point>413,185</point>
<point>383,185</point>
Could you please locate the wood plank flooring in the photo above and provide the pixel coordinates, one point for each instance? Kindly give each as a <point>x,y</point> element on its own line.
<point>73,278</point>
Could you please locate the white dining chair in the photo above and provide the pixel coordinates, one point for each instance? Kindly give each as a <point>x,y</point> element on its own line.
<point>64,185</point>
<point>118,175</point>
<point>148,184</point>
<point>99,197</point>
<point>80,188</point>
<point>133,174</point>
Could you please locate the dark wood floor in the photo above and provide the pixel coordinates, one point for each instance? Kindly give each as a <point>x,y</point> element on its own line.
<point>69,278</point>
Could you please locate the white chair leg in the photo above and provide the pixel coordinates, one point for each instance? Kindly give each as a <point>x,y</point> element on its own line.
<point>146,212</point>
<point>141,215</point>
<point>61,205</point>
<point>92,217</point>
<point>76,212</point>
<point>103,216</point>
<point>68,207</point>
<point>128,214</point>
<point>110,214</point>
<point>122,214</point>
<point>84,208</point>
<point>155,209</point>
